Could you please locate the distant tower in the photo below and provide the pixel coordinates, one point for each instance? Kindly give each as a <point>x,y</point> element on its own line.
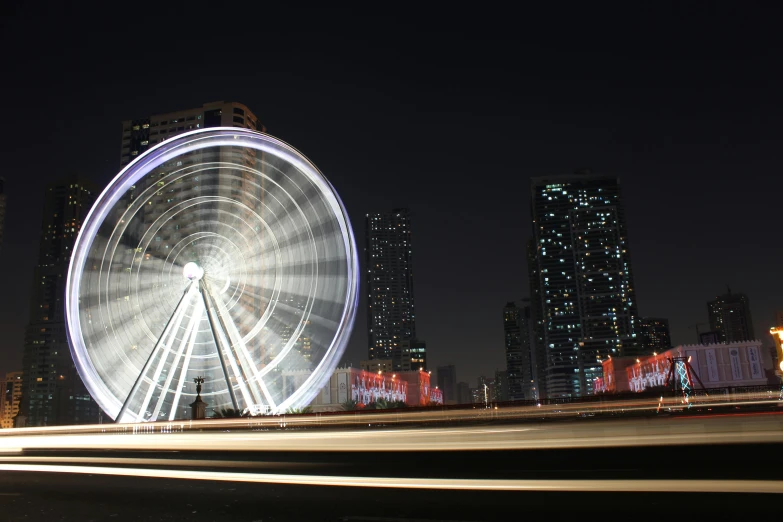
<point>519,364</point>
<point>653,333</point>
<point>391,317</point>
<point>584,287</point>
<point>730,317</point>
<point>52,391</point>
<point>538,351</point>
<point>447,382</point>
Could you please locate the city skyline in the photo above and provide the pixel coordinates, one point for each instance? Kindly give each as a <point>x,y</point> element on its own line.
<point>686,143</point>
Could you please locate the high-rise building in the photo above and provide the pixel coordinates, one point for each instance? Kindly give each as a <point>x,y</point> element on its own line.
<point>391,317</point>
<point>447,382</point>
<point>12,398</point>
<point>52,391</point>
<point>464,394</point>
<point>653,332</point>
<point>538,351</point>
<point>411,357</point>
<point>519,360</point>
<point>730,317</point>
<point>500,386</point>
<point>140,134</point>
<point>584,278</point>
<point>2,210</point>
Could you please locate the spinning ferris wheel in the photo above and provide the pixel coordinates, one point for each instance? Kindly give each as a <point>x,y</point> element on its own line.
<point>222,253</point>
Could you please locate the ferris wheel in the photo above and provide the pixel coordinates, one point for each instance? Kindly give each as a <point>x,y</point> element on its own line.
<point>221,253</point>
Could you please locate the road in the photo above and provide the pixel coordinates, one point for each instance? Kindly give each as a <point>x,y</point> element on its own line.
<point>726,464</point>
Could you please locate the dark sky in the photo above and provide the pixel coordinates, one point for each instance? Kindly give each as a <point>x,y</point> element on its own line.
<point>450,113</point>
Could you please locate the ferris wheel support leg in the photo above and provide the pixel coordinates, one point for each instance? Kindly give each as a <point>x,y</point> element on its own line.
<point>225,326</point>
<point>186,363</point>
<point>260,390</point>
<point>155,350</point>
<point>218,344</point>
<point>190,331</point>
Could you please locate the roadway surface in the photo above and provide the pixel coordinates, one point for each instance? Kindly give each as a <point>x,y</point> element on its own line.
<point>727,465</point>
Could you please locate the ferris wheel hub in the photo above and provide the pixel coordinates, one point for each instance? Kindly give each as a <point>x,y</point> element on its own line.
<point>192,271</point>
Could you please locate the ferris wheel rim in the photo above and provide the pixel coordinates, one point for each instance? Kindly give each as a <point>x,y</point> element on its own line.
<point>141,166</point>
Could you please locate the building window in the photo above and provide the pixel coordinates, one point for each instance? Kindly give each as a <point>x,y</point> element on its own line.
<point>237,110</point>
<point>239,119</point>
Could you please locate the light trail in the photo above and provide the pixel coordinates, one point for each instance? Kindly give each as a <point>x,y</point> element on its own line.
<point>574,434</point>
<point>395,419</point>
<point>639,486</point>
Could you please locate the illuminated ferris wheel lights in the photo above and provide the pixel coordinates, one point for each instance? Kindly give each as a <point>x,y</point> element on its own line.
<point>267,256</point>
<point>192,271</point>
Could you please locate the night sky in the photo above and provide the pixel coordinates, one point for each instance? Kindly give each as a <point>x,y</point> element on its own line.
<point>449,113</point>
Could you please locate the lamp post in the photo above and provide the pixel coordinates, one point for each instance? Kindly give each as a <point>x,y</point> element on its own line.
<point>777,336</point>
<point>198,407</point>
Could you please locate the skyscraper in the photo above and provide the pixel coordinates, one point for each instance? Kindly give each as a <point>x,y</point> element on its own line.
<point>730,317</point>
<point>583,276</point>
<point>538,351</point>
<point>500,386</point>
<point>653,333</point>
<point>519,361</point>
<point>52,392</point>
<point>447,382</point>
<point>391,317</point>
<point>140,134</point>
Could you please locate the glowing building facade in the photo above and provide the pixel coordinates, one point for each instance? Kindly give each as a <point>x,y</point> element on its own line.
<point>12,398</point>
<point>730,365</point>
<point>391,317</point>
<point>358,388</point>
<point>584,282</point>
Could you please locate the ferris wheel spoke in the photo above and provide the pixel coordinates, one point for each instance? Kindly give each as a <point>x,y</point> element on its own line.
<point>256,381</point>
<point>225,323</point>
<point>153,381</point>
<point>178,310</point>
<point>220,341</point>
<point>189,332</point>
<point>185,365</point>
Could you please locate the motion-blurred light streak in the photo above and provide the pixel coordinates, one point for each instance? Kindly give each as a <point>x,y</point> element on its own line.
<point>591,485</point>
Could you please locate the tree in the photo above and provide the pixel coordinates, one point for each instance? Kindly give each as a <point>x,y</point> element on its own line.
<point>297,411</point>
<point>380,404</point>
<point>350,405</point>
<point>226,413</point>
<point>397,405</point>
